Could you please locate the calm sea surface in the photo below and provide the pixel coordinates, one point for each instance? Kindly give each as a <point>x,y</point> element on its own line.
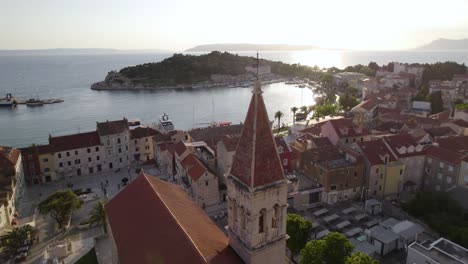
<point>69,78</point>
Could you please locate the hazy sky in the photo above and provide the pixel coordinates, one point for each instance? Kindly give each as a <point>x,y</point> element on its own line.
<point>180,24</point>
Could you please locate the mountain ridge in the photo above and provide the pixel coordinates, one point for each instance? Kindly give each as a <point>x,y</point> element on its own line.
<point>446,44</point>
<point>249,47</point>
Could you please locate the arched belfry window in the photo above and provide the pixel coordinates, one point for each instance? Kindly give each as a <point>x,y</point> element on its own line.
<point>276,216</point>
<point>261,221</point>
<point>234,211</point>
<point>242,218</point>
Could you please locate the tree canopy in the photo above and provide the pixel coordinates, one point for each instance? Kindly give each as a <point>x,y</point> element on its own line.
<point>347,101</point>
<point>442,213</point>
<point>188,69</point>
<point>98,215</point>
<point>325,110</point>
<point>437,104</point>
<point>59,206</point>
<point>15,239</point>
<point>333,248</point>
<point>298,230</point>
<point>360,258</point>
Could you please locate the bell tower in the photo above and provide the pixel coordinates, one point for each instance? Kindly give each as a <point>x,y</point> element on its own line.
<point>257,190</point>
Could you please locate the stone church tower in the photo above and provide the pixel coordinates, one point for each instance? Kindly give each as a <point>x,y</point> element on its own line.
<point>257,191</point>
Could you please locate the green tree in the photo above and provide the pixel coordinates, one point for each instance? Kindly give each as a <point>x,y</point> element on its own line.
<point>325,110</point>
<point>360,258</point>
<point>333,248</point>
<point>304,109</point>
<point>15,239</point>
<point>294,110</point>
<point>98,216</point>
<point>347,101</point>
<point>279,115</point>
<point>298,230</point>
<point>60,206</point>
<point>437,104</point>
<point>326,87</point>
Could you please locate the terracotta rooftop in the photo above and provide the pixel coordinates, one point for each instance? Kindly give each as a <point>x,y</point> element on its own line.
<point>75,141</point>
<point>347,123</point>
<point>375,151</point>
<point>211,135</point>
<point>444,155</point>
<point>112,127</point>
<point>440,132</point>
<point>256,162</point>
<point>280,142</point>
<point>403,140</point>
<point>442,116</point>
<point>230,142</point>
<point>8,159</point>
<point>180,148</point>
<point>315,129</point>
<point>166,137</point>
<point>460,123</point>
<point>143,132</point>
<point>458,144</point>
<point>368,104</point>
<point>153,221</point>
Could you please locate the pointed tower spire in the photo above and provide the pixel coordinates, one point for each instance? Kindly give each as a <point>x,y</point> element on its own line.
<point>256,161</point>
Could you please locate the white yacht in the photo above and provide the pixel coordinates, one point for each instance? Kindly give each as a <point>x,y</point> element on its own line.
<point>8,101</point>
<point>165,124</point>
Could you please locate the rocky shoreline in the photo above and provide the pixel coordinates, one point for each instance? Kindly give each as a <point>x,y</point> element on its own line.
<point>115,81</point>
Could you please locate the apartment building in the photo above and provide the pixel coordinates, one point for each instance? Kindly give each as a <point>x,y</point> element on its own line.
<point>115,137</point>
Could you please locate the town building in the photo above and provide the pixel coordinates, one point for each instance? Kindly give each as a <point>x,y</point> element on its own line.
<point>141,144</point>
<point>442,168</point>
<point>339,172</point>
<point>78,154</point>
<point>344,132</point>
<point>383,169</point>
<point>115,137</point>
<point>225,150</point>
<point>11,185</point>
<point>434,252</point>
<point>411,154</point>
<point>257,203</point>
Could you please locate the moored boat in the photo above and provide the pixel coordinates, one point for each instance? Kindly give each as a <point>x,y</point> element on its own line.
<point>165,124</point>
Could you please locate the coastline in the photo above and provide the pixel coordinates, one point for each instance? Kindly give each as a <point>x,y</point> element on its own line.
<point>103,86</point>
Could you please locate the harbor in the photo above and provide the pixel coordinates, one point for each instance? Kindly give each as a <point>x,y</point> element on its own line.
<point>10,101</point>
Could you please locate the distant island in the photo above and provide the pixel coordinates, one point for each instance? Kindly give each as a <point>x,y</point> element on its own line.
<point>446,44</point>
<point>250,47</point>
<point>216,69</point>
<point>67,51</point>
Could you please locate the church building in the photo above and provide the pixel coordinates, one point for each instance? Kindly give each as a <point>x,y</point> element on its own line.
<point>153,221</point>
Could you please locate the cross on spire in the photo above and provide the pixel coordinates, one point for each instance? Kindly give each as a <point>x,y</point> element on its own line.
<point>257,88</point>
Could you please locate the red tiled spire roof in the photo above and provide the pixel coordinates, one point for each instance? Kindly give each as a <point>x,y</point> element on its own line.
<point>256,161</point>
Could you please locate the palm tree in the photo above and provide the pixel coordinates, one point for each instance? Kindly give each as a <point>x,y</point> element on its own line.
<point>279,115</point>
<point>294,110</point>
<point>98,216</point>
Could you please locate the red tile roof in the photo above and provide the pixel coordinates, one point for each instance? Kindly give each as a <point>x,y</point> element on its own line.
<point>315,129</point>
<point>112,127</point>
<point>153,221</point>
<point>406,140</point>
<point>143,132</point>
<point>444,155</point>
<point>230,142</point>
<point>211,135</point>
<point>375,150</point>
<point>442,116</point>
<point>197,171</point>
<point>440,131</point>
<point>256,162</point>
<point>347,123</point>
<point>75,141</point>
<point>458,144</point>
<point>8,159</point>
<point>180,148</point>
<point>460,123</point>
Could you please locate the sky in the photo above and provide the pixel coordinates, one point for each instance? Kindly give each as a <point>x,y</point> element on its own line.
<point>177,25</point>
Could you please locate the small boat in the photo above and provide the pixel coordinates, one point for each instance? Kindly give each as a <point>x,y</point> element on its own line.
<point>8,101</point>
<point>134,123</point>
<point>165,124</point>
<point>34,102</point>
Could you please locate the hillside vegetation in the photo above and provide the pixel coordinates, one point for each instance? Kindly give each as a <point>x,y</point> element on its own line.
<point>189,69</point>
